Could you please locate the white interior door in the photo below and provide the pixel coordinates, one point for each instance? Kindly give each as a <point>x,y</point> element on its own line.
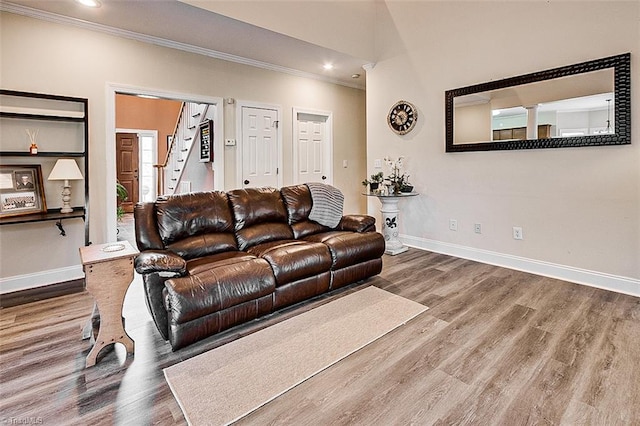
<point>312,147</point>
<point>259,147</point>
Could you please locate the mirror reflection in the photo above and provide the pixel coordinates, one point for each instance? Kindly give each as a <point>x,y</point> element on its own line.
<point>564,107</point>
<point>577,105</point>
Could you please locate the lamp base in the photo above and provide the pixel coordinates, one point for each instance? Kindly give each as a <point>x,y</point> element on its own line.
<point>66,198</point>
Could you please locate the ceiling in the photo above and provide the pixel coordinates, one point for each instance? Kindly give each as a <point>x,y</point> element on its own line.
<point>171,23</point>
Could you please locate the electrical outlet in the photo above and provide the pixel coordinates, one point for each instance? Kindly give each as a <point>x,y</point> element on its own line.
<point>517,233</point>
<point>377,163</point>
<point>477,228</point>
<point>453,224</point>
<point>229,142</point>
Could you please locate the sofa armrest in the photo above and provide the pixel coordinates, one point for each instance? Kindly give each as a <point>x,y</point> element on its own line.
<point>160,261</point>
<point>357,223</point>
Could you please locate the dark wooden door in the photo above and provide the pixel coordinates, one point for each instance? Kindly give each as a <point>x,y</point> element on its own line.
<point>127,167</point>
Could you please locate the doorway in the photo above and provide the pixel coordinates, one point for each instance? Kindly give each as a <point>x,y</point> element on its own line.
<point>259,156</point>
<point>109,213</point>
<point>312,146</point>
<point>127,163</point>
<point>136,156</point>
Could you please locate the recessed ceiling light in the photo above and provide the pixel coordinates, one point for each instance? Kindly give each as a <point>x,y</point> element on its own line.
<point>89,3</point>
<point>328,67</point>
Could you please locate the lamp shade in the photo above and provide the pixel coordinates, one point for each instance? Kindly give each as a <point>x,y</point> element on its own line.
<point>65,169</point>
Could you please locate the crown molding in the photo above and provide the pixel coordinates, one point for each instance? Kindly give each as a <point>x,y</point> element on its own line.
<point>158,41</point>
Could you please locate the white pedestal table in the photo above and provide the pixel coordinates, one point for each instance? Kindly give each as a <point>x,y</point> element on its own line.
<point>390,213</point>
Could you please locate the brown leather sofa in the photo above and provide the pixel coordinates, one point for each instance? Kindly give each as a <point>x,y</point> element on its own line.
<point>211,260</point>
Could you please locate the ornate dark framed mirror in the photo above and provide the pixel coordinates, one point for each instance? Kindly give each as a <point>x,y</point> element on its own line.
<point>585,104</point>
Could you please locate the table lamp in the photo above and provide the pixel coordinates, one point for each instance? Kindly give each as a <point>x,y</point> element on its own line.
<point>66,169</point>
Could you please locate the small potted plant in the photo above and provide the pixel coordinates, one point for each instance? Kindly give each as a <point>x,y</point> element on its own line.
<point>406,186</point>
<point>121,194</point>
<point>374,181</point>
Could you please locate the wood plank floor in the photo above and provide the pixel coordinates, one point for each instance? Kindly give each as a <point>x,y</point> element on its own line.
<point>496,347</point>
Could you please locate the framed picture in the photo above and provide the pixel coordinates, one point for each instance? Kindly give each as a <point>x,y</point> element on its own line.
<point>206,141</point>
<point>21,190</point>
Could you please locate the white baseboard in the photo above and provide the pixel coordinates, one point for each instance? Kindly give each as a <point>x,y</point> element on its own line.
<point>619,284</point>
<point>39,279</point>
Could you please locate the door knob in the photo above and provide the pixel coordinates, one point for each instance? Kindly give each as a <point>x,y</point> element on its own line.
<point>324,178</point>
<point>246,182</point>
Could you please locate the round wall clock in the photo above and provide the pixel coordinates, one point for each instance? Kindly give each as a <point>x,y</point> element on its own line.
<point>402,117</point>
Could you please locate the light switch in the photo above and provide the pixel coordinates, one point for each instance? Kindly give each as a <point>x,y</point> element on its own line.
<point>345,163</point>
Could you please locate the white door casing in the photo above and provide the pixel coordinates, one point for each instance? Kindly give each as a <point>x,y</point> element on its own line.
<point>259,146</point>
<point>313,146</point>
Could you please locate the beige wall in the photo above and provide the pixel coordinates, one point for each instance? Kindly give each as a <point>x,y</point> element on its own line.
<point>40,56</point>
<point>133,112</point>
<point>344,26</point>
<point>580,207</point>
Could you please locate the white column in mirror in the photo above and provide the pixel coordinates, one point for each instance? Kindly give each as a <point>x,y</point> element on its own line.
<point>532,121</point>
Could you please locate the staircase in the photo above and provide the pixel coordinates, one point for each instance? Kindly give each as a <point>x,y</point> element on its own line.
<point>184,137</point>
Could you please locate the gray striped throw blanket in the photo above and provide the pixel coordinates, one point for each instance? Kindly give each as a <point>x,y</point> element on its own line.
<point>327,206</point>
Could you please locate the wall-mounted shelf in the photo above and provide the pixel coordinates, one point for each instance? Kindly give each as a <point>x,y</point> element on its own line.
<point>51,108</point>
<point>41,117</point>
<point>41,114</point>
<point>41,154</point>
<point>78,212</point>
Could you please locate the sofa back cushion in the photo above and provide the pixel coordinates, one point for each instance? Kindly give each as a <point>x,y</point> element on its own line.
<point>297,199</point>
<point>196,224</point>
<point>260,216</point>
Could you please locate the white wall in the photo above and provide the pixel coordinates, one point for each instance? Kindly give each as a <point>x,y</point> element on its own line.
<point>200,175</point>
<point>40,56</point>
<point>579,208</point>
<point>477,123</point>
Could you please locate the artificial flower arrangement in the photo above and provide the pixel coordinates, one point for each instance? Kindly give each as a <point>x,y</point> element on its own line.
<point>396,182</point>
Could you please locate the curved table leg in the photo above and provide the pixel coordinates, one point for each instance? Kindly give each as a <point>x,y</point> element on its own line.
<point>108,283</point>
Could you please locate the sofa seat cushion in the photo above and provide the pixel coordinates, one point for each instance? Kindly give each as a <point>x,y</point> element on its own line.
<point>349,248</point>
<point>195,266</point>
<point>217,288</point>
<point>293,260</point>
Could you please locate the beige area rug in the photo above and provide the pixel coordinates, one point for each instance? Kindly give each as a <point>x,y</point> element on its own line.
<point>225,384</point>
